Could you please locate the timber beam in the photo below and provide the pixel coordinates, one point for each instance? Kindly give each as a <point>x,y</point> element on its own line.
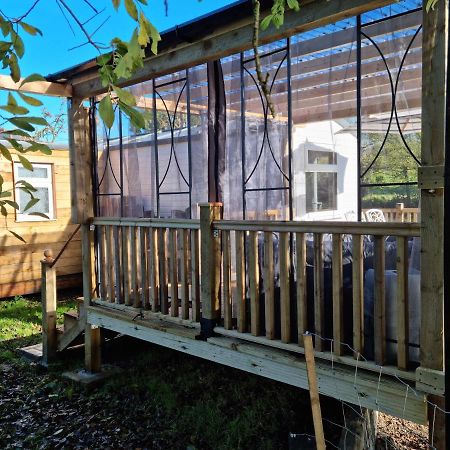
<point>368,390</point>
<point>234,38</point>
<point>36,87</point>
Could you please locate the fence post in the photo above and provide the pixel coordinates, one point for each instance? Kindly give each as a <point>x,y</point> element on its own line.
<point>399,212</point>
<point>48,296</point>
<point>210,257</point>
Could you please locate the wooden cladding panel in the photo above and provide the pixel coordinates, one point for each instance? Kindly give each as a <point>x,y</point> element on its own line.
<point>318,291</point>
<point>240,281</point>
<point>253,279</point>
<point>358,295</point>
<point>379,301</point>
<point>402,304</point>
<point>302,309</point>
<point>338,300</point>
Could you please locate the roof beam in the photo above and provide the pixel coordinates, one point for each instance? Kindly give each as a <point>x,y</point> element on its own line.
<point>233,39</point>
<point>36,87</point>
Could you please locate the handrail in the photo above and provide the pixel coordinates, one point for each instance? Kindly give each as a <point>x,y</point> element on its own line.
<point>361,228</point>
<point>187,224</point>
<point>65,246</point>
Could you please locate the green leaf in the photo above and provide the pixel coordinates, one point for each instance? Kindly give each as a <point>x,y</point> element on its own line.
<point>31,78</point>
<point>4,46</point>
<point>116,4</point>
<point>14,67</point>
<point>18,236</point>
<point>31,203</point>
<point>25,186</point>
<point>36,120</point>
<point>39,214</point>
<point>15,109</point>
<point>154,35</point>
<point>5,194</point>
<point>30,100</point>
<point>22,123</point>
<point>135,116</point>
<point>132,11</point>
<point>25,163</point>
<point>105,108</point>
<point>6,27</point>
<point>125,96</point>
<point>39,147</point>
<point>3,210</point>
<point>18,133</point>
<point>103,59</point>
<point>15,144</point>
<point>12,203</point>
<point>293,4</point>
<point>30,29</point>
<point>144,2</point>
<point>1,182</point>
<point>18,44</point>
<point>266,22</point>
<point>11,100</point>
<point>5,152</point>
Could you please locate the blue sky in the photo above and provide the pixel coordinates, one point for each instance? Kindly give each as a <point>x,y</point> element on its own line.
<point>51,52</point>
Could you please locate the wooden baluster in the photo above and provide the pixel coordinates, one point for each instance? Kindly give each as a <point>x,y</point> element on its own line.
<point>285,295</point>
<point>164,290</point>
<point>358,294</point>
<point>102,262</point>
<point>253,279</point>
<point>226,265</point>
<point>133,267</point>
<point>195,274</point>
<point>302,308</point>
<point>184,247</point>
<point>173,271</point>
<point>110,258</point>
<point>126,264</point>
<point>240,282</point>
<point>402,304</point>
<point>117,265</point>
<point>154,269</point>
<point>379,302</point>
<point>338,301</point>
<point>269,298</point>
<point>143,245</point>
<point>318,291</point>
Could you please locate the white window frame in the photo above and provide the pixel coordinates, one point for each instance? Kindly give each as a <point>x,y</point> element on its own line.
<point>317,168</point>
<point>37,183</point>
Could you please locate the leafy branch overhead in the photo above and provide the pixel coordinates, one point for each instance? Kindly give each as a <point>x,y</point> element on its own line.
<point>124,60</point>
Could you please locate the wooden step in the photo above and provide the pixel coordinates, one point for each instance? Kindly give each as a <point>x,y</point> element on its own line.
<point>70,319</point>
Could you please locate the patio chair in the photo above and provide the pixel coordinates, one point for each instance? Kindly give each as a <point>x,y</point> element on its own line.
<point>375,215</point>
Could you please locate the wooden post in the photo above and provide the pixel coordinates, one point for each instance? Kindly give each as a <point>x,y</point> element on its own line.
<point>92,333</point>
<point>48,296</point>
<point>314,391</point>
<point>399,212</point>
<point>210,259</point>
<point>434,77</point>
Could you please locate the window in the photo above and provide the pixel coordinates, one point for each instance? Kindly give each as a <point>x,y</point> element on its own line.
<point>321,157</point>
<point>41,179</point>
<point>321,191</point>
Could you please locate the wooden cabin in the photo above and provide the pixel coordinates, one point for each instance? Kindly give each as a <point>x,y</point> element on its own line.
<point>202,245</point>
<point>20,271</point>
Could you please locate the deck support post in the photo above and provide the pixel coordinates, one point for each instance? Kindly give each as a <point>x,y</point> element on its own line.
<point>434,79</point>
<point>48,297</point>
<point>82,212</point>
<point>210,252</point>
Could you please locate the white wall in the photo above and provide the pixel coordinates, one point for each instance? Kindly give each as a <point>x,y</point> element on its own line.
<point>325,136</point>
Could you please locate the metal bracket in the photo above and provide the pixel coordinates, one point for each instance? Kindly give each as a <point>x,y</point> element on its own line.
<point>430,177</point>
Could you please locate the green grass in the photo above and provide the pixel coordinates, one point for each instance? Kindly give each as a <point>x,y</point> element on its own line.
<point>162,399</point>
<point>20,323</point>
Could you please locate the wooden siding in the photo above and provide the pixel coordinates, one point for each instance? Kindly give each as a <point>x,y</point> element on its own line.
<point>20,268</point>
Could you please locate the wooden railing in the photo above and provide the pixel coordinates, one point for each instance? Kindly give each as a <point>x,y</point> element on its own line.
<point>256,277</point>
<point>263,281</point>
<point>399,214</point>
<point>149,263</point>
